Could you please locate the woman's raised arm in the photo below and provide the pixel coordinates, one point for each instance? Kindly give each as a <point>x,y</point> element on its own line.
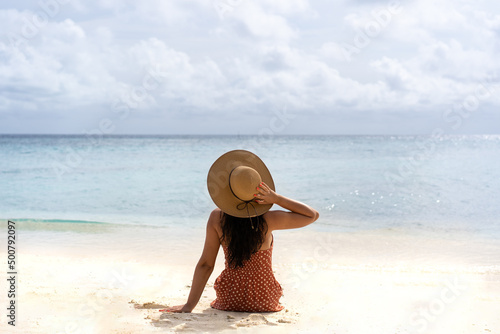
<point>300,214</point>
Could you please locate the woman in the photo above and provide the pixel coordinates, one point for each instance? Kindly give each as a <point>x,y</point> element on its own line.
<point>242,188</point>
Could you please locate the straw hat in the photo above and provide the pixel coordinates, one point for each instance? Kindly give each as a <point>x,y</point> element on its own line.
<point>232,182</point>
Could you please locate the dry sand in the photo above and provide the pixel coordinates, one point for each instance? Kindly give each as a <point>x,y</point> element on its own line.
<point>114,279</point>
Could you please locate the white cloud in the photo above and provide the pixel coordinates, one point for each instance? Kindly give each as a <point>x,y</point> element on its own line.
<point>258,57</point>
<point>252,20</point>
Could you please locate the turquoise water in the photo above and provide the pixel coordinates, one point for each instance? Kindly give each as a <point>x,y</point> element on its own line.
<point>420,184</point>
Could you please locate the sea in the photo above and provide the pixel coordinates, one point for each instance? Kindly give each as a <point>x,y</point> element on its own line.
<point>435,185</point>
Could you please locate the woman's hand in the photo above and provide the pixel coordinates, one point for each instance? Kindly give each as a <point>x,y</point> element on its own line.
<point>177,309</point>
<point>265,195</point>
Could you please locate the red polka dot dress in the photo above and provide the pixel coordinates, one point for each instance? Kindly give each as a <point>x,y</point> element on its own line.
<point>251,288</point>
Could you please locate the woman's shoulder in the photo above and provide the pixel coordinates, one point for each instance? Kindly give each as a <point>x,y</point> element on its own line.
<point>215,217</point>
<point>271,217</point>
<point>216,213</point>
<point>273,214</point>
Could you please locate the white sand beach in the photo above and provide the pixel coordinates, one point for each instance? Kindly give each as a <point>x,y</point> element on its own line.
<point>102,278</point>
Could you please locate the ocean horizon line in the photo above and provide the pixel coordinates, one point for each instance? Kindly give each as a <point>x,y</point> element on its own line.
<point>142,135</point>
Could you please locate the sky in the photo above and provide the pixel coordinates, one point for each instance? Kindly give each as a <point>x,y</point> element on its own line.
<point>250,67</point>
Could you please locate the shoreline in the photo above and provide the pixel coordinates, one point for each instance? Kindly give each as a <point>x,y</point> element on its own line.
<point>86,279</point>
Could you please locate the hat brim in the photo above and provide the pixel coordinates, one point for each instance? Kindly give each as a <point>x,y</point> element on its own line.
<point>218,183</point>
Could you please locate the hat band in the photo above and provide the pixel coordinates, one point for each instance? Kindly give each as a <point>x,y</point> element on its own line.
<point>244,204</point>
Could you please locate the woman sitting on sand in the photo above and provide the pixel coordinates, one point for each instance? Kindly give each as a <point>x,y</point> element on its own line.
<point>243,190</point>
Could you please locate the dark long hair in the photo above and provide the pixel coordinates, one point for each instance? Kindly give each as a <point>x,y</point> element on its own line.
<point>241,239</point>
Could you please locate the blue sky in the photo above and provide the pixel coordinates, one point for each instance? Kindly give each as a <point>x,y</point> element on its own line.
<point>250,67</point>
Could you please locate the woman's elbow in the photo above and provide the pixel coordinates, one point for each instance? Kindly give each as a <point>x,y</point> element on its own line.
<point>312,217</point>
<point>315,216</point>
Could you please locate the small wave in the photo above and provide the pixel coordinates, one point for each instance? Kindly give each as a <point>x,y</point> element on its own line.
<point>63,221</point>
